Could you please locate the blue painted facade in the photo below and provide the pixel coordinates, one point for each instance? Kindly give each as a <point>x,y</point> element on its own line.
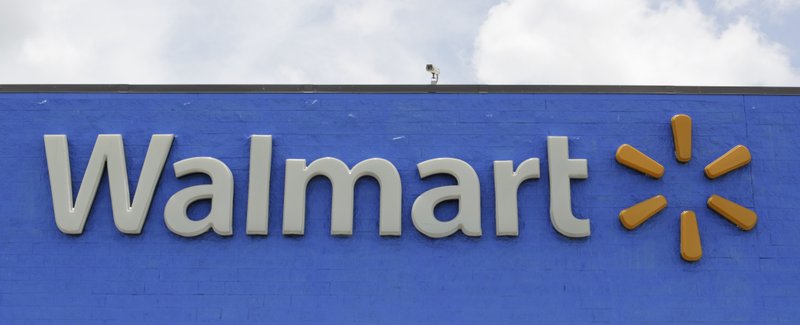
<point>615,276</point>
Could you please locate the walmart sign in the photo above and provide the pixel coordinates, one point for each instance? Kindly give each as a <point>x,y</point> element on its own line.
<point>129,217</point>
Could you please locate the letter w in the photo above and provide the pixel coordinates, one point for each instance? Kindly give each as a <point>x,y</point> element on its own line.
<point>108,152</point>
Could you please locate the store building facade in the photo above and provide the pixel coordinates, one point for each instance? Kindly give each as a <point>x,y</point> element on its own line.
<point>398,204</point>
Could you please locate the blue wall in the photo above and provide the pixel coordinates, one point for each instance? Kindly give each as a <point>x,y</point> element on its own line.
<point>615,276</point>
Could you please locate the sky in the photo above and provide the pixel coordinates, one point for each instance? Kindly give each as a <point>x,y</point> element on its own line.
<point>619,42</point>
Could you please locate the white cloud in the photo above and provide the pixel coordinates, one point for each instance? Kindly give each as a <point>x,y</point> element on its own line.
<point>186,41</point>
<point>384,41</point>
<point>729,5</point>
<point>775,6</point>
<point>624,42</point>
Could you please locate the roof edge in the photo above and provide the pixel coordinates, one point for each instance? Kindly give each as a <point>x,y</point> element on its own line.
<point>393,89</point>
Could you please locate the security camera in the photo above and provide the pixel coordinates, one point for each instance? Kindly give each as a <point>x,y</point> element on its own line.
<point>434,73</point>
<point>430,68</point>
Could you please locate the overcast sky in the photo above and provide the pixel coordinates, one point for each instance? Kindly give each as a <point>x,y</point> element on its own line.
<point>713,42</point>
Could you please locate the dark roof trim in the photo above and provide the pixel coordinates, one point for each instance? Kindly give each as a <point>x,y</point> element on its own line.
<point>396,89</point>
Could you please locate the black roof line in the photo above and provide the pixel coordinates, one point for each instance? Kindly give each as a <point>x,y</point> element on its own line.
<point>393,89</point>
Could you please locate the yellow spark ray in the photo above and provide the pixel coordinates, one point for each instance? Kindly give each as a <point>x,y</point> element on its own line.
<point>636,215</point>
<point>731,160</point>
<point>631,157</point>
<point>742,217</point>
<point>691,249</point>
<point>682,137</point>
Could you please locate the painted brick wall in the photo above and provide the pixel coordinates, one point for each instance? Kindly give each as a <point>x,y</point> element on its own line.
<point>615,276</point>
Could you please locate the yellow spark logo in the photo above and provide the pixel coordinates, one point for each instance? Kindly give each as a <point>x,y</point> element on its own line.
<point>691,249</point>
